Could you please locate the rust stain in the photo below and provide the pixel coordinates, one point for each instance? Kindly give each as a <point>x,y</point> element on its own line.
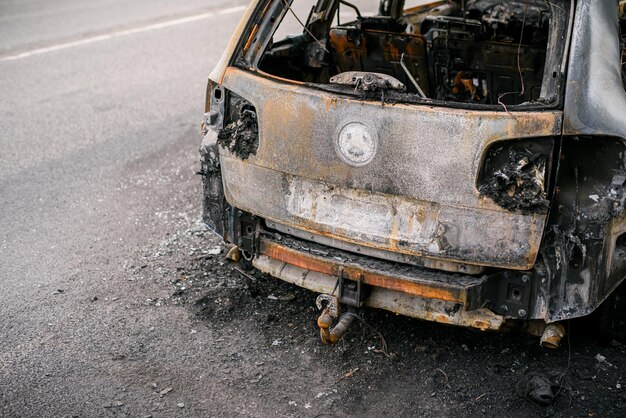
<point>251,38</point>
<point>534,241</point>
<point>423,7</point>
<point>314,263</point>
<point>481,325</point>
<point>330,102</point>
<point>277,78</point>
<point>443,319</point>
<point>267,6</point>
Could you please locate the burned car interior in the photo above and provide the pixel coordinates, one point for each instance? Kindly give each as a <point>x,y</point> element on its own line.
<point>487,52</point>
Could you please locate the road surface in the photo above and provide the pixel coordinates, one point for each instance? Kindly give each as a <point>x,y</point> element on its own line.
<point>113,300</point>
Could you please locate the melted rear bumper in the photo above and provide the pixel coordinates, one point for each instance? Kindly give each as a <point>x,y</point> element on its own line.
<point>410,291</point>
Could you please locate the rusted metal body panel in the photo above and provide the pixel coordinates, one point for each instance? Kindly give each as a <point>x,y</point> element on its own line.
<point>396,202</point>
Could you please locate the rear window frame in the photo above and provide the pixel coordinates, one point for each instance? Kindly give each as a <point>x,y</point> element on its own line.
<point>269,14</point>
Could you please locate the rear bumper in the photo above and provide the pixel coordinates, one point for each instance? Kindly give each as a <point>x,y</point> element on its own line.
<point>406,290</point>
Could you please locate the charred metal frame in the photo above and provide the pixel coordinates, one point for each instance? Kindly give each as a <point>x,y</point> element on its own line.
<point>468,258</point>
<point>269,14</point>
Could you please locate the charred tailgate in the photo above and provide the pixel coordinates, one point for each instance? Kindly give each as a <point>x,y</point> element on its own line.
<point>417,194</point>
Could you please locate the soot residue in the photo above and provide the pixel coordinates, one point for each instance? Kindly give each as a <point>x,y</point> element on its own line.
<point>520,183</point>
<point>241,136</point>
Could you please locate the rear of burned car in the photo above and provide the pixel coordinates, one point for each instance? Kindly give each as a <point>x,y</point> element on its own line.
<point>460,163</point>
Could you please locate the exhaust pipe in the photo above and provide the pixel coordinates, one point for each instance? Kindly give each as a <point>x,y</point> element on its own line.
<point>325,322</point>
<point>552,335</point>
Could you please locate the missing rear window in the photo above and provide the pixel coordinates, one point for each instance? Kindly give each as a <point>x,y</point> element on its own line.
<point>482,52</point>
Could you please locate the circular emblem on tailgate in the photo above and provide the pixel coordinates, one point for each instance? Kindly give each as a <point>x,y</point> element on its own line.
<point>357,144</point>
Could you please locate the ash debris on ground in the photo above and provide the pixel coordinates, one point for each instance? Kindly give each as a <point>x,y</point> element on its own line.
<point>264,347</point>
<point>520,183</point>
<point>241,136</point>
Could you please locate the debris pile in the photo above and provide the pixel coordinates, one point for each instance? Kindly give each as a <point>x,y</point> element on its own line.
<point>537,388</point>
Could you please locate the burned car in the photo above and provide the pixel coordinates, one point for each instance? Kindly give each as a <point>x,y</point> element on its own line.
<point>462,162</point>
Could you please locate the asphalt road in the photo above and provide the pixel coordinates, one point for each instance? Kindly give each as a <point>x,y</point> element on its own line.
<point>112,299</point>
<point>98,140</point>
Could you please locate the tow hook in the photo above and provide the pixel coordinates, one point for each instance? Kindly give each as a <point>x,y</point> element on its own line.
<point>331,334</point>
